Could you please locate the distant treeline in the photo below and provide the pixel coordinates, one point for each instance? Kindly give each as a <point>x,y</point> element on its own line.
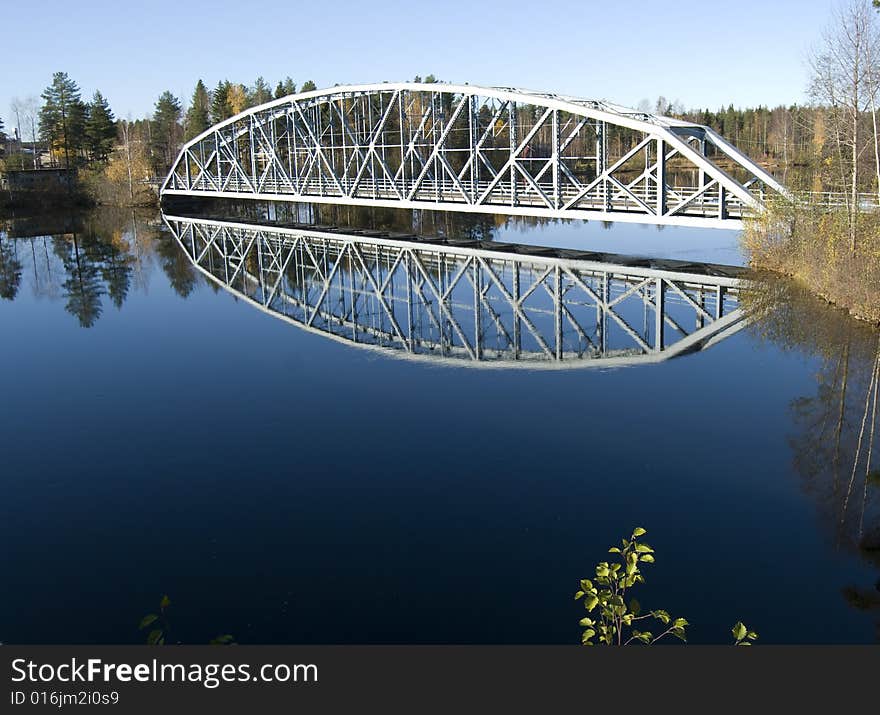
<point>785,134</point>
<point>119,157</point>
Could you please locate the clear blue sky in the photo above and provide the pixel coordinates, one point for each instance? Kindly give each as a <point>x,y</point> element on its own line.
<point>703,54</point>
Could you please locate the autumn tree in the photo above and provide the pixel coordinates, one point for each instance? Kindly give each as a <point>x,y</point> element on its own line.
<point>62,117</point>
<point>198,116</point>
<point>100,128</point>
<point>129,166</point>
<point>166,129</point>
<point>237,98</point>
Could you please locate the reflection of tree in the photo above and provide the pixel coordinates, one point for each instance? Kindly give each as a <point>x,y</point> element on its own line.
<point>83,288</point>
<point>835,429</point>
<point>10,270</point>
<point>116,271</point>
<point>478,227</point>
<point>176,265</point>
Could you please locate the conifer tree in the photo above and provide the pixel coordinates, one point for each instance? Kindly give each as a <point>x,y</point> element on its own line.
<point>166,129</point>
<point>220,102</point>
<point>198,116</point>
<point>285,88</point>
<point>62,117</point>
<point>100,128</point>
<point>260,93</point>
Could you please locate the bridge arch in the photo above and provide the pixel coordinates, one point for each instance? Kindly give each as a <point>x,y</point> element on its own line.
<point>469,148</point>
<point>467,302</point>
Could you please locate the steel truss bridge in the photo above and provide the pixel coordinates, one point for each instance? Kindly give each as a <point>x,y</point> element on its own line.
<point>466,148</point>
<point>468,302</point>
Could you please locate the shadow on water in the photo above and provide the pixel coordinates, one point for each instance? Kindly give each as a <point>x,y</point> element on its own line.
<point>833,431</point>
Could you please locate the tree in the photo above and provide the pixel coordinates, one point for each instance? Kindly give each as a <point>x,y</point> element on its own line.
<point>308,86</point>
<point>285,88</point>
<point>198,116</point>
<point>62,117</point>
<point>844,79</point>
<point>166,128</point>
<point>260,93</point>
<point>2,133</point>
<point>100,128</point>
<point>220,102</point>
<point>27,111</point>
<point>129,165</point>
<point>237,99</point>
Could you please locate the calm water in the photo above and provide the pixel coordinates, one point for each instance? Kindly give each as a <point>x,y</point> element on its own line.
<point>161,434</point>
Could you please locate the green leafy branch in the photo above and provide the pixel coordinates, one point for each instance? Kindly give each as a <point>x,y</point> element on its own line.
<point>613,619</point>
<point>742,635</point>
<point>605,597</point>
<point>159,633</point>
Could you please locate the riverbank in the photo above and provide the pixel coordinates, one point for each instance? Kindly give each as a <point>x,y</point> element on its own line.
<point>815,246</point>
<point>39,190</point>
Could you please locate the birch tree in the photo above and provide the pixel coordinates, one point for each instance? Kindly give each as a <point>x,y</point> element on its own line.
<point>844,68</point>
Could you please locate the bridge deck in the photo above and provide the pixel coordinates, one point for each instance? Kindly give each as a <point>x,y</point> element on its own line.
<point>473,149</point>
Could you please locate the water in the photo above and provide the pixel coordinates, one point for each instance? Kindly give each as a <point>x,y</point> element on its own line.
<point>160,434</point>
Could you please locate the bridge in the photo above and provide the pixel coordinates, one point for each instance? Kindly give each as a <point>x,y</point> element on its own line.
<point>478,149</point>
<point>475,303</point>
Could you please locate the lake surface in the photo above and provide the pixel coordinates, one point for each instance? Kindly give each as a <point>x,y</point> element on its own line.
<point>163,434</point>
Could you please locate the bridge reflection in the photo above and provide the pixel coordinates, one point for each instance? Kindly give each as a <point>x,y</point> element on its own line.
<point>468,302</point>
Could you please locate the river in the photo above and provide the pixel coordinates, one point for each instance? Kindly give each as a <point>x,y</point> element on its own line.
<point>164,431</point>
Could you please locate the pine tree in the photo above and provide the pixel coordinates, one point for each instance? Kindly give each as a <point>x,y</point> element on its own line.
<point>260,93</point>
<point>285,88</point>
<point>220,102</point>
<point>100,128</point>
<point>2,133</point>
<point>166,129</point>
<point>308,86</point>
<point>198,116</point>
<point>62,117</point>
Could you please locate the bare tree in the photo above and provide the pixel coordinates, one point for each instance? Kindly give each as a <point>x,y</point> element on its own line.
<point>844,68</point>
<point>27,112</point>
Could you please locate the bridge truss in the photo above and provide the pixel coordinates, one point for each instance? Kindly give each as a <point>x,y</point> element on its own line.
<point>465,303</point>
<point>467,148</point>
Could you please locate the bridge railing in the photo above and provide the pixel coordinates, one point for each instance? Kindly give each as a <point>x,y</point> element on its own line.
<point>866,201</point>
<point>636,198</point>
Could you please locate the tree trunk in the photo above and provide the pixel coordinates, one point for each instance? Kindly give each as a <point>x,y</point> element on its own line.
<point>855,180</point>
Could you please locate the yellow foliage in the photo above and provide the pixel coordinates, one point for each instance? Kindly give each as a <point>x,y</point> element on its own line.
<point>237,98</point>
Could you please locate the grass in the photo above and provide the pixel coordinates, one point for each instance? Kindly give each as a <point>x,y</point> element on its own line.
<point>813,246</point>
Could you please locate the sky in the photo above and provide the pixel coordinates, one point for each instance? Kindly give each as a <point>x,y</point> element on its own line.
<point>707,54</point>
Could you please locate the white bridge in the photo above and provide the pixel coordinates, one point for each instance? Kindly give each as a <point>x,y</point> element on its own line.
<point>475,303</point>
<point>479,149</point>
